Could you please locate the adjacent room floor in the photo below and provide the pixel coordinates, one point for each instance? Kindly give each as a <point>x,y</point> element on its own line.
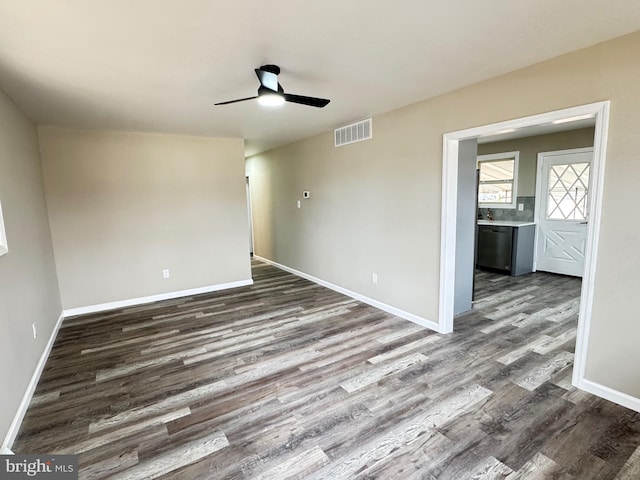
<point>287,379</point>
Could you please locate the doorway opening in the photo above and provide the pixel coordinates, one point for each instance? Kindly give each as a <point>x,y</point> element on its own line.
<point>250,217</point>
<point>449,248</point>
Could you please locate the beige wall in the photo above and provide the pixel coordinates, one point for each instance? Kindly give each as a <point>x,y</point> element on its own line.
<point>529,148</point>
<point>28,285</point>
<point>125,206</point>
<point>375,205</point>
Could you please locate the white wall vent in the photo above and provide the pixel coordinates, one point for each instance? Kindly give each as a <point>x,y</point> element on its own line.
<point>356,132</point>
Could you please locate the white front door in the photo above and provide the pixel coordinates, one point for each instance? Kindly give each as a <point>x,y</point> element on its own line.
<point>562,200</point>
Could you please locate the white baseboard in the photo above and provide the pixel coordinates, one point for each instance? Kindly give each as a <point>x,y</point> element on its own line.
<point>153,298</point>
<point>28,394</point>
<point>588,386</point>
<point>26,399</point>
<point>369,301</point>
<point>609,394</point>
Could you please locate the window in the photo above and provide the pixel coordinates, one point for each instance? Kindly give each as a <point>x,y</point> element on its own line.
<point>498,178</point>
<point>567,191</point>
<point>3,237</point>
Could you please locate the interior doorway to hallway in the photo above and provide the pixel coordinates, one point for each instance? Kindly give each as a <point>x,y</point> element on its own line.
<point>249,217</point>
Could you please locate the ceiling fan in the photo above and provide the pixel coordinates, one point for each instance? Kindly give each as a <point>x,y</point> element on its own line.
<point>271,94</point>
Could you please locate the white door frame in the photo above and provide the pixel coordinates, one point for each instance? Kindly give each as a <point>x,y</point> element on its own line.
<point>539,189</point>
<point>600,111</point>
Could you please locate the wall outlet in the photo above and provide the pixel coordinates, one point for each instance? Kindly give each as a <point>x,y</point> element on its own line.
<point>165,273</point>
<point>520,207</point>
<point>35,330</point>
<point>374,278</point>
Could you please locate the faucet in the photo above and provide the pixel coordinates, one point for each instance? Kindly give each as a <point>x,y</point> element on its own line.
<point>489,214</point>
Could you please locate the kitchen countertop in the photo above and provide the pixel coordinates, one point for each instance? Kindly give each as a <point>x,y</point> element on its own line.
<point>503,223</point>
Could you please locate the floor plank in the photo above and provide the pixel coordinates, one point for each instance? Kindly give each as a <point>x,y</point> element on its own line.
<point>287,379</point>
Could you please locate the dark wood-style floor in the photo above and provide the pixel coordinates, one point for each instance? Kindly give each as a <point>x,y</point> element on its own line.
<point>287,379</point>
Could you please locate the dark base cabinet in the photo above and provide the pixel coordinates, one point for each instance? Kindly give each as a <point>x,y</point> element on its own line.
<point>507,249</point>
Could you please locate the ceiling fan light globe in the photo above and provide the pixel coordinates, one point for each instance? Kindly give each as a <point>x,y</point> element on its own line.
<point>270,99</point>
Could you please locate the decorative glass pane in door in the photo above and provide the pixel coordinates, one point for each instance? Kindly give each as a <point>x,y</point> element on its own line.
<point>568,187</point>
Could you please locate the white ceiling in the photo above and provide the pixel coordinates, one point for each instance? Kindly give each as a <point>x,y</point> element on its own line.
<point>534,130</point>
<point>160,65</point>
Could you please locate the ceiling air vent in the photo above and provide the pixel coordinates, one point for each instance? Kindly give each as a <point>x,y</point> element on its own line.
<point>356,132</point>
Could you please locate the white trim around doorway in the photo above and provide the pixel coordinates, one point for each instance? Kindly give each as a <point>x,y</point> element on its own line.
<point>600,111</point>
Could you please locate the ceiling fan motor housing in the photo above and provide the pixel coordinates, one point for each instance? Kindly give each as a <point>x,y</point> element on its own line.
<point>271,69</point>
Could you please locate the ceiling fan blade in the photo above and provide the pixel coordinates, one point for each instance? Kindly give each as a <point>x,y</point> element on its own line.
<point>236,101</point>
<point>267,79</point>
<point>310,101</point>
